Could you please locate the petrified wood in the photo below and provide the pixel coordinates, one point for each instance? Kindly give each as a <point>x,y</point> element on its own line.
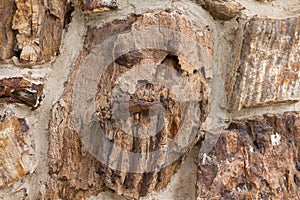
<point>267,68</point>
<point>7,36</point>
<point>20,90</point>
<point>153,115</point>
<point>16,149</point>
<point>39,26</point>
<point>223,9</point>
<point>95,6</point>
<point>255,158</point>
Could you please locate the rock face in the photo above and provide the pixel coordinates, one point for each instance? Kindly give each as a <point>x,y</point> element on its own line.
<point>256,158</point>
<point>267,69</point>
<point>20,90</point>
<point>95,6</point>
<point>140,116</point>
<point>16,149</point>
<point>7,36</point>
<point>39,26</point>
<point>223,9</point>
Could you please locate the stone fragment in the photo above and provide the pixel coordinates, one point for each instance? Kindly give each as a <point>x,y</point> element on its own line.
<point>267,68</point>
<point>20,90</point>
<point>95,6</point>
<point>223,9</point>
<point>16,149</point>
<point>7,36</point>
<point>137,126</point>
<point>255,158</point>
<point>39,26</point>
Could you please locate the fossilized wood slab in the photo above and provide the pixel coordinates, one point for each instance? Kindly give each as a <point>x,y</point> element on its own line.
<point>16,149</point>
<point>39,26</point>
<point>149,129</point>
<point>95,6</point>
<point>7,36</point>
<point>20,90</point>
<point>223,9</point>
<point>256,158</point>
<point>73,170</point>
<point>267,70</point>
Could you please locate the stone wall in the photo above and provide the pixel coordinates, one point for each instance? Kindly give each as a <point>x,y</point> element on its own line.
<point>105,99</point>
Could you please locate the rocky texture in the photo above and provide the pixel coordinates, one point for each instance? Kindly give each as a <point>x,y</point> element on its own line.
<point>7,36</point>
<point>20,90</point>
<point>68,156</point>
<point>39,26</point>
<point>17,149</point>
<point>267,68</point>
<point>73,171</point>
<point>255,158</point>
<point>95,6</point>
<point>223,9</point>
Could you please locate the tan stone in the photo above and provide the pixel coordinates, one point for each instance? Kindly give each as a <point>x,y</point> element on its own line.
<point>223,9</point>
<point>16,149</point>
<point>7,36</point>
<point>267,68</point>
<point>94,6</point>
<point>144,106</point>
<point>39,26</point>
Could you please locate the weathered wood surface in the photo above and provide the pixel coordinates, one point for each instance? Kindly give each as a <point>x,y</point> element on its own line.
<point>267,68</point>
<point>223,9</point>
<point>16,149</point>
<point>95,6</point>
<point>20,90</point>
<point>143,105</point>
<point>39,26</point>
<point>256,158</point>
<point>7,35</point>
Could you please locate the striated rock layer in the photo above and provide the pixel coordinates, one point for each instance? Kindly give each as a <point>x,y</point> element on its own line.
<point>267,68</point>
<point>255,158</point>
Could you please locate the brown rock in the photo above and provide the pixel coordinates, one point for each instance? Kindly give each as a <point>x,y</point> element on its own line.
<point>223,9</point>
<point>149,129</point>
<point>7,36</point>
<point>39,26</point>
<point>16,149</point>
<point>95,6</point>
<point>20,90</point>
<point>267,68</point>
<point>256,158</point>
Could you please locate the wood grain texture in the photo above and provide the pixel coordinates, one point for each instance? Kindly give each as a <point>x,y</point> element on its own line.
<point>7,35</point>
<point>39,26</point>
<point>20,90</point>
<point>16,149</point>
<point>255,158</point>
<point>267,69</point>
<point>68,156</point>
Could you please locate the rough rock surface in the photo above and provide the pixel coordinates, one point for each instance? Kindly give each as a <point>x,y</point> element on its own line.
<point>17,149</point>
<point>39,26</point>
<point>95,6</point>
<point>20,90</point>
<point>143,105</point>
<point>256,158</point>
<point>267,69</point>
<point>223,9</point>
<point>7,36</point>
